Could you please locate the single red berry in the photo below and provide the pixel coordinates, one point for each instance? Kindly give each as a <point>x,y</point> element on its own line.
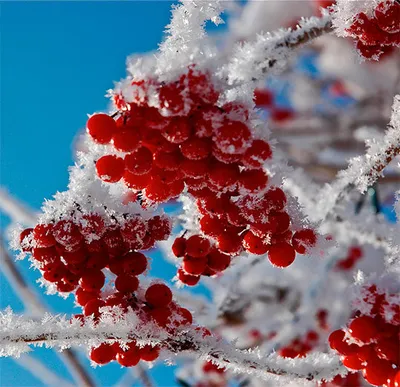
<point>229,242</point>
<point>213,205</point>
<point>187,279</point>
<point>281,254</point>
<point>377,371</point>
<point>218,261</point>
<point>184,316</point>
<point>129,357</point>
<point>196,148</point>
<point>197,246</point>
<point>178,130</point>
<point>303,240</point>
<point>253,180</point>
<point>103,354</point>
<point>223,157</point>
<point>388,349</point>
<point>140,161</point>
<point>194,266</point>
<point>253,244</point>
<point>126,283</point>
<point>161,315</point>
<point>281,114</point>
<point>160,227</point>
<point>211,225</point>
<point>233,137</point>
<point>256,154</point>
<point>158,295</point>
<point>82,296</point>
<point>195,168</point>
<point>149,353</point>
<point>352,362</point>
<point>114,242</point>
<point>91,224</point>
<point>148,242</point>
<point>127,140</point>
<point>171,97</point>
<point>46,255</point>
<point>101,128</point>
<point>179,247</point>
<point>110,168</point>
<point>54,273</point>
<point>263,97</point>
<point>223,176</point>
<point>168,161</point>
<point>92,307</point>
<point>75,257</point>
<point>133,263</point>
<point>26,239</point>
<point>234,216</point>
<point>154,140</point>
<point>133,229</point>
<point>276,198</point>
<point>43,235</point>
<point>137,182</point>
<point>364,329</point>
<point>92,280</point>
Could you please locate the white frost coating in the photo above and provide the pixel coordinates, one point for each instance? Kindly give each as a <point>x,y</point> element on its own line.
<point>17,332</point>
<point>253,59</point>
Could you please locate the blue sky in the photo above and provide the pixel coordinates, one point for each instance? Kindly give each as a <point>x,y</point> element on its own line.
<point>57,61</point>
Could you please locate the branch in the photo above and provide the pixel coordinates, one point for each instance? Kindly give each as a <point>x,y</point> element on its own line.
<point>253,60</point>
<point>17,333</point>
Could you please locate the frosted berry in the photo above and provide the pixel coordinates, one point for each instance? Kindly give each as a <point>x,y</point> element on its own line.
<point>229,242</point>
<point>67,233</point>
<point>194,266</point>
<point>92,224</point>
<point>126,283</point>
<point>281,254</point>
<point>134,229</point>
<point>133,263</point>
<point>187,279</point>
<point>253,180</point>
<point>137,182</point>
<point>233,137</point>
<point>168,161</point>
<point>101,128</point>
<point>387,15</point>
<point>211,225</point>
<point>139,162</point>
<point>92,307</point>
<point>25,239</point>
<point>256,154</point>
<point>377,371</point>
<point>158,295</point>
<point>160,227</point>
<point>363,328</point>
<point>103,354</point>
<point>92,280</point>
<point>179,247</point>
<point>197,246</point>
<point>218,261</point>
<point>253,244</point>
<point>129,358</point>
<point>196,148</point>
<point>43,235</point>
<point>110,168</point>
<point>223,176</point>
<point>83,297</point>
<point>178,130</point>
<point>149,353</point>
<point>127,140</point>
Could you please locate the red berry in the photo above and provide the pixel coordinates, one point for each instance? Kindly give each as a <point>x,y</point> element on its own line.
<point>126,283</point>
<point>134,229</point>
<point>281,114</point>
<point>160,227</point>
<point>171,97</point>
<point>281,254</point>
<point>179,247</point>
<point>276,198</point>
<point>226,158</point>
<point>229,242</point>
<point>43,235</point>
<point>114,242</point>
<point>103,354</point>
<point>303,240</point>
<point>223,176</point>
<point>187,279</point>
<point>133,263</point>
<point>195,168</point>
<point>46,255</point>
<point>140,161</point>
<point>161,315</point>
<point>101,128</point>
<point>218,261</point>
<point>211,225</point>
<point>92,280</point>
<point>233,137</point>
<point>154,140</point>
<point>352,362</point>
<point>158,295</point>
<point>256,154</point>
<point>54,273</point>
<point>127,140</point>
<point>196,148</point>
<point>137,182</point>
<point>168,161</point>
<point>197,246</point>
<point>363,328</point>
<point>92,224</point>
<point>110,168</point>
<point>92,307</point>
<point>213,205</point>
<point>82,297</point>
<point>253,244</point>
<point>253,180</point>
<point>178,130</point>
<point>263,97</point>
<point>26,239</point>
<point>194,266</point>
<point>377,371</point>
<point>388,349</point>
<point>75,257</point>
<point>149,353</point>
<point>387,15</point>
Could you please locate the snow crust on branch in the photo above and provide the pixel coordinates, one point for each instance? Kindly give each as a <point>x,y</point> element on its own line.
<point>17,333</point>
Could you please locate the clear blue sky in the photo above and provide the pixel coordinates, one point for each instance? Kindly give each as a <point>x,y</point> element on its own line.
<point>57,61</point>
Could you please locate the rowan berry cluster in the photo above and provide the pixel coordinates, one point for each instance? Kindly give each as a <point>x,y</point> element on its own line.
<point>371,341</point>
<point>379,33</point>
<point>354,254</point>
<point>299,347</point>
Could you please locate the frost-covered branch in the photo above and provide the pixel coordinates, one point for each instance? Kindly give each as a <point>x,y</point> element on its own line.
<point>17,333</point>
<point>270,51</point>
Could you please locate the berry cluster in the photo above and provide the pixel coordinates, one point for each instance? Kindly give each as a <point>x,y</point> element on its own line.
<point>300,347</point>
<point>371,342</point>
<point>75,251</point>
<point>378,34</point>
<point>354,254</point>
